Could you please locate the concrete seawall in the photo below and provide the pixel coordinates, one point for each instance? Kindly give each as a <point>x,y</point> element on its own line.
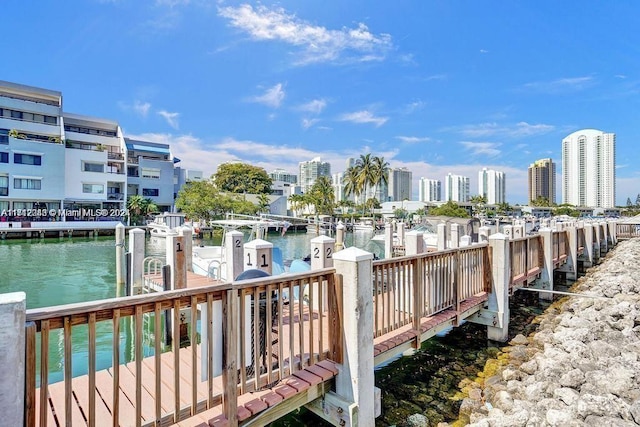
<point>582,367</point>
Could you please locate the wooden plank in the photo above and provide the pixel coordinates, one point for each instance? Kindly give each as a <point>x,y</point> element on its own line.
<point>137,373</point>
<point>91,388</point>
<point>30,375</point>
<point>176,360</point>
<point>128,384</point>
<point>82,391</point>
<point>157,355</point>
<point>194,356</point>
<point>68,404</point>
<point>115,395</point>
<point>66,409</point>
<point>229,355</point>
<point>104,384</point>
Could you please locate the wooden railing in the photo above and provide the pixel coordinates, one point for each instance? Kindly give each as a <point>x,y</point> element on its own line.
<point>527,258</point>
<point>627,231</point>
<point>271,327</point>
<point>408,288</point>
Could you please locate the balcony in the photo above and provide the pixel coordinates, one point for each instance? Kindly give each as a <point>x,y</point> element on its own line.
<point>115,196</point>
<point>115,156</point>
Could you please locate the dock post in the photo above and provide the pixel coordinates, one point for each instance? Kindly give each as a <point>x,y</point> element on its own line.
<point>455,236</point>
<point>339,236</point>
<point>612,232</point>
<point>136,248</point>
<point>571,266</point>
<point>415,243</point>
<point>259,255</point>
<point>187,233</point>
<point>588,244</point>
<point>442,237</point>
<point>233,255</point>
<point>604,244</point>
<point>120,273</point>
<point>12,359</point>
<point>176,259</point>
<point>355,380</point>
<point>321,257</point>
<point>546,276</point>
<point>483,234</point>
<point>388,240</point>
<point>499,297</point>
<point>400,233</point>
<point>508,231</point>
<point>596,238</point>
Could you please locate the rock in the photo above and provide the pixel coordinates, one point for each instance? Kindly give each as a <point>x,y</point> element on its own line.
<point>634,409</point>
<point>503,400</point>
<point>557,417</point>
<point>519,340</point>
<point>529,367</point>
<point>574,379</point>
<point>417,420</point>
<point>568,395</point>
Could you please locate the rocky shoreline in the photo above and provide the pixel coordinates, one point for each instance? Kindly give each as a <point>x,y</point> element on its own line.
<point>581,367</point>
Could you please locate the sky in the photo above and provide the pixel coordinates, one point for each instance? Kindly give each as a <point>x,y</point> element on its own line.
<point>435,86</point>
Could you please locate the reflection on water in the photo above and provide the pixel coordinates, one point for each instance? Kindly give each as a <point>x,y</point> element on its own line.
<point>72,270</point>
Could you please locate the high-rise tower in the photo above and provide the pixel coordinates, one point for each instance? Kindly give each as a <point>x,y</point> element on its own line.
<point>542,180</point>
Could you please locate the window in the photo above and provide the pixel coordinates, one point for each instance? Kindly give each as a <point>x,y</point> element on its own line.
<point>93,167</point>
<point>93,188</point>
<point>4,185</point>
<point>26,184</point>
<point>27,159</point>
<point>4,157</point>
<point>150,192</point>
<point>4,136</point>
<point>151,173</point>
<point>16,114</point>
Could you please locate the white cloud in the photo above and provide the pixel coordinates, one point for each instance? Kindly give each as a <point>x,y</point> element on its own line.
<point>413,139</point>
<point>142,108</point>
<point>484,51</point>
<point>414,106</point>
<point>315,43</point>
<point>272,97</point>
<point>561,85</point>
<point>307,123</point>
<point>315,107</point>
<point>518,130</point>
<point>363,116</point>
<point>482,148</point>
<point>172,3</point>
<point>171,118</point>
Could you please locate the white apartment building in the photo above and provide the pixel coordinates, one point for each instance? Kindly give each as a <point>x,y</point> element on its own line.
<point>456,188</point>
<point>429,190</point>
<point>284,176</point>
<point>589,169</point>
<point>311,170</point>
<point>53,162</point>
<point>491,185</point>
<point>400,184</point>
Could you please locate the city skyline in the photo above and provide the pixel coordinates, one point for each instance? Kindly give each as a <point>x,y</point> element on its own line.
<point>276,84</point>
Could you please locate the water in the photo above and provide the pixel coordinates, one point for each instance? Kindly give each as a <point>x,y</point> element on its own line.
<point>72,270</point>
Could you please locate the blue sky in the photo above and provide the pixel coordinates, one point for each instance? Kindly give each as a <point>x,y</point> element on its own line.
<point>435,86</point>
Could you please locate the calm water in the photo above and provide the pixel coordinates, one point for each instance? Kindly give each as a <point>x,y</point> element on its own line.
<point>71,270</point>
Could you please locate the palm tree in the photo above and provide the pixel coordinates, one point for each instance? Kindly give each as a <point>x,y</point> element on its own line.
<point>366,171</point>
<point>350,181</point>
<point>380,174</point>
<point>296,201</point>
<point>322,196</point>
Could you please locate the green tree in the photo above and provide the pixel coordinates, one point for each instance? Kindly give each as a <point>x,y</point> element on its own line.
<point>298,203</point>
<point>321,196</point>
<point>566,209</point>
<point>449,209</point>
<point>380,174</point>
<point>350,181</point>
<point>135,208</point>
<point>263,203</point>
<point>541,202</point>
<point>629,201</point>
<point>366,173</point>
<point>638,200</point>
<point>503,208</point>
<point>477,204</point>
<point>242,178</point>
<point>197,199</point>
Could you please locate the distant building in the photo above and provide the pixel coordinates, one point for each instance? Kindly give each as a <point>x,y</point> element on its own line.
<point>311,170</point>
<point>150,172</point>
<point>456,188</point>
<point>284,176</point>
<point>429,190</point>
<point>589,169</point>
<point>182,176</point>
<point>542,180</point>
<point>399,184</point>
<point>491,185</point>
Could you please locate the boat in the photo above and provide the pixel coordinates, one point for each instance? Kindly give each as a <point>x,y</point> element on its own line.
<point>210,260</point>
<point>365,224</point>
<point>164,223</point>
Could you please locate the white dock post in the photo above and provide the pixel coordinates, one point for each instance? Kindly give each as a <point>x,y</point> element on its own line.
<point>612,232</point>
<point>596,238</point>
<point>442,237</point>
<point>508,231</point>
<point>120,263</point>
<point>483,234</point>
<point>12,357</point>
<point>499,297</point>
<point>518,231</point>
<point>321,257</point>
<point>546,276</point>
<point>176,259</point>
<point>465,241</point>
<point>415,243</point>
<point>136,249</point>
<point>572,262</point>
<point>604,244</point>
<point>388,240</point>
<point>400,232</point>
<point>187,233</point>
<point>355,380</point>
<point>588,244</point>
<point>233,255</point>
<point>455,235</point>
<point>258,254</point>
<point>339,236</point>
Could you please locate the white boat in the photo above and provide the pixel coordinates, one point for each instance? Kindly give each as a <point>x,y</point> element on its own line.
<point>210,260</point>
<point>365,224</point>
<point>164,223</point>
